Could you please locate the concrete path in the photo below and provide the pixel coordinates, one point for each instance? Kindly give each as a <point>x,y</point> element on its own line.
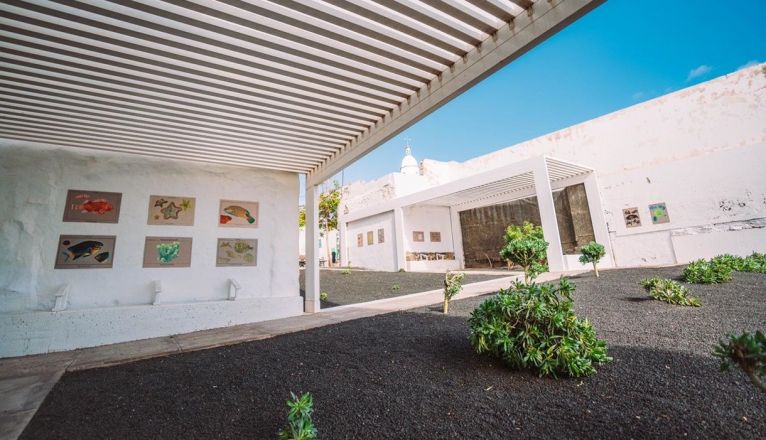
<point>25,381</point>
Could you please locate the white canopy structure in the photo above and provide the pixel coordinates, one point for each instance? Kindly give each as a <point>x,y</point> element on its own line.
<point>305,86</point>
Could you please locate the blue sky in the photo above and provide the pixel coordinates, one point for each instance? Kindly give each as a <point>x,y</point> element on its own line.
<point>622,53</point>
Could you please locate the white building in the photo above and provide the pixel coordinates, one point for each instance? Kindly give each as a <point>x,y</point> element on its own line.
<point>680,177</point>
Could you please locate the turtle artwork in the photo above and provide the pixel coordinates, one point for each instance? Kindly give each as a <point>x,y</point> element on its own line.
<point>237,252</point>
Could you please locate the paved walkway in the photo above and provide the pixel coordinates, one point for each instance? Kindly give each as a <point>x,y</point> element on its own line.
<point>25,381</point>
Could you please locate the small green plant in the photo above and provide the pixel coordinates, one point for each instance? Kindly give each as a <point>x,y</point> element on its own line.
<point>323,296</point>
<point>526,247</point>
<point>707,272</point>
<point>755,262</point>
<point>670,291</point>
<point>299,424</point>
<point>402,270</point>
<point>748,351</point>
<point>395,287</point>
<point>531,326</point>
<point>592,253</point>
<point>346,271</point>
<point>453,284</point>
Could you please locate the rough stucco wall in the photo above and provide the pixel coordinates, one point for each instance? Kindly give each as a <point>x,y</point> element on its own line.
<point>34,183</point>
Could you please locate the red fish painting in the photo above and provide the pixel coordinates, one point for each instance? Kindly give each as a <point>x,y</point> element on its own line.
<point>98,206</point>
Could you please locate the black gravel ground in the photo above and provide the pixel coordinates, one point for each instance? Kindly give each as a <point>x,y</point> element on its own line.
<point>413,375</point>
<point>362,286</point>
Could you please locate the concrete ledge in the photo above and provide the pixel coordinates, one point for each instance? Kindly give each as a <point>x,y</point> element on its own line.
<point>41,332</point>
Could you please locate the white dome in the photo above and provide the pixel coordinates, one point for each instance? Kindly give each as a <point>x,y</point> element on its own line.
<point>409,163</point>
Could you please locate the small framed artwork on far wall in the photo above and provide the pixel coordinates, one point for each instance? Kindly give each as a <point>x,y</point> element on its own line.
<point>92,206</point>
<point>359,240</point>
<point>381,235</point>
<point>370,238</point>
<point>436,237</point>
<point>418,236</point>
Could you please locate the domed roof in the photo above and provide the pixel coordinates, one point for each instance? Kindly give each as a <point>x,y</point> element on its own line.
<point>409,163</point>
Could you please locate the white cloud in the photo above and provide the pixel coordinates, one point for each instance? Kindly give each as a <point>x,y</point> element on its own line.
<point>750,63</point>
<point>698,71</point>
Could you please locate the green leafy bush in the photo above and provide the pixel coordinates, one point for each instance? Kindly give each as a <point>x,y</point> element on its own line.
<point>756,262</point>
<point>323,296</point>
<point>707,272</point>
<point>526,247</point>
<point>592,253</point>
<point>299,423</point>
<point>453,284</point>
<point>346,271</point>
<point>748,351</point>
<point>395,287</point>
<point>531,326</point>
<point>669,291</point>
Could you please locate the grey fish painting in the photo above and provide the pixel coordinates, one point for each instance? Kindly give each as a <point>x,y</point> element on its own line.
<point>83,249</point>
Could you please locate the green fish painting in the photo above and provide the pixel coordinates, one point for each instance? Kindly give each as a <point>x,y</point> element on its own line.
<point>238,211</point>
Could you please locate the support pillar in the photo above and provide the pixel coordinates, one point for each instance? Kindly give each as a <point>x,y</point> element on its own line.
<point>343,247</point>
<point>311,300</point>
<point>600,230</point>
<point>457,237</point>
<point>401,261</point>
<point>547,208</point>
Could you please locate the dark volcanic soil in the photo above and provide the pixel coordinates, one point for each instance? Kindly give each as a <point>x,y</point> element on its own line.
<point>362,286</point>
<point>414,375</point>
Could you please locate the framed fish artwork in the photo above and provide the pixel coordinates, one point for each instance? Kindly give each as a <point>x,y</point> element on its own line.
<point>238,214</point>
<point>237,252</point>
<point>171,210</point>
<point>167,252</point>
<point>85,251</point>
<point>92,206</point>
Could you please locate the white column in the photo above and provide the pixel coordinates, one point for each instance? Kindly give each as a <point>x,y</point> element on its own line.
<point>600,230</point>
<point>311,300</point>
<point>343,248</point>
<point>401,262</point>
<point>457,237</point>
<point>550,226</point>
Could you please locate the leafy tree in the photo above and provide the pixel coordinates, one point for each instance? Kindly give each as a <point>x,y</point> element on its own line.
<point>592,253</point>
<point>328,213</point>
<point>526,247</point>
<point>748,351</point>
<point>531,326</point>
<point>452,286</point>
<point>299,424</point>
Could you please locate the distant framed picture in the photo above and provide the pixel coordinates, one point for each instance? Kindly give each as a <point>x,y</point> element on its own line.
<point>418,236</point>
<point>237,252</point>
<point>370,238</point>
<point>167,252</point>
<point>238,214</point>
<point>659,212</point>
<point>359,240</point>
<point>171,210</point>
<point>92,206</point>
<point>436,237</point>
<point>85,251</point>
<point>381,236</point>
<point>632,218</point>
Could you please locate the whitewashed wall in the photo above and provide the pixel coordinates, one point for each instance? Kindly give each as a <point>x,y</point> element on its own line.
<point>428,219</point>
<point>33,184</point>
<point>378,256</point>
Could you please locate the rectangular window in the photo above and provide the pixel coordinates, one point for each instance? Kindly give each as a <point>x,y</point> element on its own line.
<point>359,240</point>
<point>370,238</point>
<point>436,236</point>
<point>418,236</point>
<point>381,236</point>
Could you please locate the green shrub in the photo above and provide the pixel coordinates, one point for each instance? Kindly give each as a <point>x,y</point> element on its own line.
<point>526,247</point>
<point>453,284</point>
<point>395,287</point>
<point>323,296</point>
<point>707,272</point>
<point>755,262</point>
<point>592,253</point>
<point>748,351</point>
<point>299,424</point>
<point>733,262</point>
<point>346,271</point>
<point>531,326</point>
<point>669,291</point>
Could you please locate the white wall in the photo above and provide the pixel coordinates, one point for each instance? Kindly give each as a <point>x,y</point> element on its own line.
<point>701,150</point>
<point>429,219</point>
<point>378,256</point>
<point>34,180</point>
